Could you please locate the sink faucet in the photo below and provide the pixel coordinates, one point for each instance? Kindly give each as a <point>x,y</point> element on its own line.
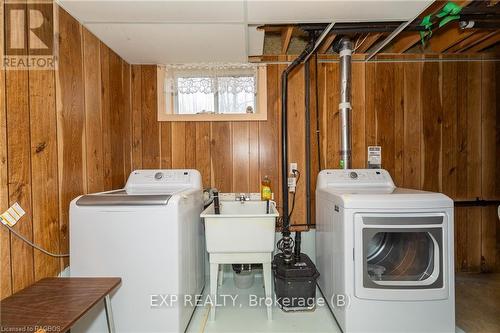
<point>242,197</point>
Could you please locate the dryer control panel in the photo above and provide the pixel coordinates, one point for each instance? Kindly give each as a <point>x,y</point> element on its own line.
<point>357,178</point>
<point>162,180</point>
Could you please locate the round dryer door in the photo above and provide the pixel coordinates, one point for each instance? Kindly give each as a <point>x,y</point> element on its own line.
<point>397,253</point>
<point>400,256</point>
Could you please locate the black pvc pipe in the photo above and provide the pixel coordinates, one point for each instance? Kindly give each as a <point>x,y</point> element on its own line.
<point>307,78</point>
<point>298,241</point>
<point>476,203</point>
<point>486,20</point>
<point>284,133</point>
<point>316,97</point>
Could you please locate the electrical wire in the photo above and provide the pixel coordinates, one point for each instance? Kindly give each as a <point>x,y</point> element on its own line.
<point>27,241</point>
<point>356,45</point>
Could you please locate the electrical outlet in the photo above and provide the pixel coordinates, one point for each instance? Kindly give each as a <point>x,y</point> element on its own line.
<point>293,166</point>
<point>292,184</point>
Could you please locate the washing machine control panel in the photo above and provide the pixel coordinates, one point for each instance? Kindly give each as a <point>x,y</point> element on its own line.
<point>159,179</point>
<point>355,178</point>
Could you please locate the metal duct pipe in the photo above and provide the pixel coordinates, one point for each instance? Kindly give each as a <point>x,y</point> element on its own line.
<point>345,102</point>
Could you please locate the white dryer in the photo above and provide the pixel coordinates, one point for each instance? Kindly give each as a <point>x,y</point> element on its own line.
<point>385,254</point>
<point>149,234</point>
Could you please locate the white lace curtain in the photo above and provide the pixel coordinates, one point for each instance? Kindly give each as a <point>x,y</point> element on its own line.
<point>210,79</point>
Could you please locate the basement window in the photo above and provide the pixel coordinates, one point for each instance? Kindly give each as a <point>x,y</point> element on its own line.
<point>213,92</point>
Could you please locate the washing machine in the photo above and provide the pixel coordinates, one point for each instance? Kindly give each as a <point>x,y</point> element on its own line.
<point>385,254</point>
<point>149,234</point>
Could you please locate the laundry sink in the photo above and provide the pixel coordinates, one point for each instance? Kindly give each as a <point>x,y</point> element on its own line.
<point>240,227</point>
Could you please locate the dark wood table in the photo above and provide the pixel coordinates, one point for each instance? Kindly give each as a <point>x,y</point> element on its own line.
<point>55,304</point>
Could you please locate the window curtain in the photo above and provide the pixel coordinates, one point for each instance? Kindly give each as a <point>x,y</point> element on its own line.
<point>211,78</point>
<point>213,88</point>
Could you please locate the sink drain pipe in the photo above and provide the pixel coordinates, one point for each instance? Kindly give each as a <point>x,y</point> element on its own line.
<point>286,243</point>
<point>345,108</point>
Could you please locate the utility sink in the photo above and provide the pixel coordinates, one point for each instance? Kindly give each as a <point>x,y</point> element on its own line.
<point>240,227</point>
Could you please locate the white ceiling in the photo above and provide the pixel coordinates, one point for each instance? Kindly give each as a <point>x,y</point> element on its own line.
<point>165,31</point>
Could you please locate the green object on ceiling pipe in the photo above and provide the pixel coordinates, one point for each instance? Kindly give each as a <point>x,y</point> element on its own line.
<point>450,12</point>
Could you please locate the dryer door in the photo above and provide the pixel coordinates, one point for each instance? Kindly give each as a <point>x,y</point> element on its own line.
<point>400,257</point>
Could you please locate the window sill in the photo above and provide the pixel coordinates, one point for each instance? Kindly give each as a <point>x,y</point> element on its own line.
<point>213,117</point>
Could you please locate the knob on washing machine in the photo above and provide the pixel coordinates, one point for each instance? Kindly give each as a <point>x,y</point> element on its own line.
<point>353,175</point>
<point>158,175</point>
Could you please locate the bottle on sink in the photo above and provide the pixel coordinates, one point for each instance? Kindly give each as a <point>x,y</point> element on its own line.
<point>265,189</point>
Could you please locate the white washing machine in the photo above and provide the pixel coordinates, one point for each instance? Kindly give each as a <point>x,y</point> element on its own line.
<point>150,234</point>
<point>385,254</point>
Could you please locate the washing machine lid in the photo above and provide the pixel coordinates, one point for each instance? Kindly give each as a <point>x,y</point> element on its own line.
<point>146,188</point>
<point>123,200</point>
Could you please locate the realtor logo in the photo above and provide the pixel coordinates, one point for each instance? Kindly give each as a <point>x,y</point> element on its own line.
<point>29,35</point>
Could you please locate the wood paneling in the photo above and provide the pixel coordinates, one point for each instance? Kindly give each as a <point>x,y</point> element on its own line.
<point>136,118</point>
<point>150,126</point>
<point>432,117</point>
<point>106,117</point>
<point>116,117</point>
<point>241,156</point>
<point>490,116</point>
<point>6,267</point>
<point>423,113</point>
<point>449,151</point>
<point>437,123</point>
<point>71,120</point>
<point>222,156</point>
<point>203,152</point>
<point>270,133</point>
<point>44,176</point>
<point>56,144</point>
<point>126,120</point>
<point>412,125</point>
<point>85,126</point>
<point>19,172</point>
<point>93,115</point>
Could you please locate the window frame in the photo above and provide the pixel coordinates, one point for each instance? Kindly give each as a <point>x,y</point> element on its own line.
<point>166,102</point>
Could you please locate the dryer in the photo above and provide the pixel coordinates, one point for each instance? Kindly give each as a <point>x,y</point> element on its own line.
<point>385,254</point>
<point>150,234</point>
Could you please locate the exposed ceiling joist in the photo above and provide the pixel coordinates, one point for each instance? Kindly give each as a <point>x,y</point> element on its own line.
<point>368,42</point>
<point>387,40</point>
<point>495,38</point>
<point>470,41</point>
<point>327,43</point>
<point>446,39</point>
<point>286,37</point>
<point>405,42</point>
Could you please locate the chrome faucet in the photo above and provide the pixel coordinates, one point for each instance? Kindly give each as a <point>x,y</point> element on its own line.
<point>242,197</point>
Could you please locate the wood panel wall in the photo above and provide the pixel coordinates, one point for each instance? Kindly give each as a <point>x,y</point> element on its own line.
<point>85,126</point>
<point>439,127</point>
<point>437,122</point>
<point>232,156</point>
<point>63,133</point>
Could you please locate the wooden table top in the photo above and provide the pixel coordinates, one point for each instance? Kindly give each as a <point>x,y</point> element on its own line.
<point>54,304</point>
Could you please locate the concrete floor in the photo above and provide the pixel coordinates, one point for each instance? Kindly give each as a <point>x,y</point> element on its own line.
<point>243,318</point>
<point>478,302</point>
